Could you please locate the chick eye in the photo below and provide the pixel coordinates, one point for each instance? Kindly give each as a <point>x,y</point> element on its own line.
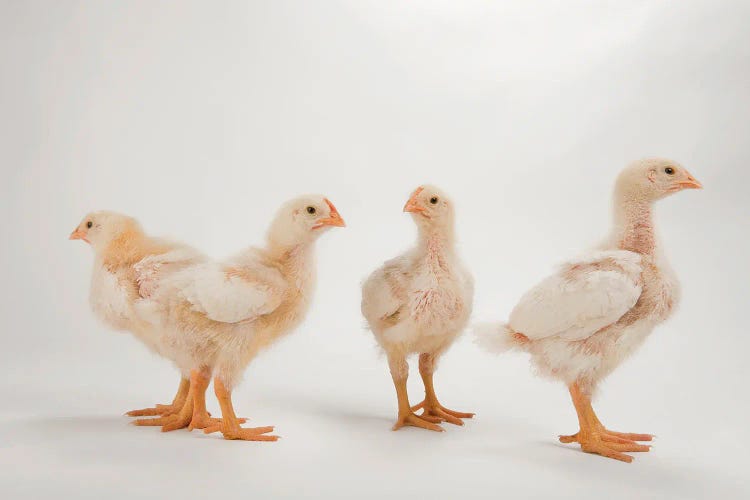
<point>433,200</point>
<point>89,224</point>
<point>310,210</point>
<point>669,170</point>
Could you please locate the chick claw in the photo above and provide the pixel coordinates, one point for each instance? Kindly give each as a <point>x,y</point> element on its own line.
<point>238,433</point>
<point>439,412</point>
<point>610,444</point>
<point>414,420</point>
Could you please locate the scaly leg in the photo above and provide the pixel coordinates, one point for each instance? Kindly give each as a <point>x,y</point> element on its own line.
<point>431,406</point>
<point>400,373</point>
<point>201,418</point>
<point>595,438</point>
<point>229,425</point>
<point>165,410</point>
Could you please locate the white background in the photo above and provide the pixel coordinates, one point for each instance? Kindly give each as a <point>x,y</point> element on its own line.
<point>200,118</point>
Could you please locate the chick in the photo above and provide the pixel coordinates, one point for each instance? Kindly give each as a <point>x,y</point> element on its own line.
<point>217,316</point>
<point>120,246</point>
<point>583,321</point>
<point>420,302</point>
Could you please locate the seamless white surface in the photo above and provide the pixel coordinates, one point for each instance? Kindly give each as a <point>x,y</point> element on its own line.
<point>200,119</point>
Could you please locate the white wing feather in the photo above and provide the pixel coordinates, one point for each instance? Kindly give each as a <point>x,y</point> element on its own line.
<point>231,298</point>
<point>383,293</point>
<point>583,297</point>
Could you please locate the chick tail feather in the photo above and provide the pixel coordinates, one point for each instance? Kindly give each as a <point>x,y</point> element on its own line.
<point>498,337</point>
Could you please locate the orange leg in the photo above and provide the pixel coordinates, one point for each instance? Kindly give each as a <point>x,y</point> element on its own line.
<point>193,413</point>
<point>165,410</point>
<point>229,425</point>
<point>178,420</point>
<point>431,407</point>
<point>201,418</point>
<point>595,438</point>
<point>400,373</point>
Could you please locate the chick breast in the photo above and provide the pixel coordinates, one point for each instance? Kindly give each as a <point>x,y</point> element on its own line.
<point>409,300</point>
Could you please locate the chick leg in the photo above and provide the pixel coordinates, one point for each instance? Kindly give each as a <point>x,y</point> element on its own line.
<point>400,373</point>
<point>431,407</point>
<point>179,420</point>
<point>229,425</point>
<point>164,410</point>
<point>595,438</point>
<point>201,419</point>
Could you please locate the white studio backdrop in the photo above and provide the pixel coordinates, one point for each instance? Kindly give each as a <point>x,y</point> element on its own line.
<point>201,118</point>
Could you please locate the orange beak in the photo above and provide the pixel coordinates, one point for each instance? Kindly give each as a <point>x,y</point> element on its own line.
<point>413,205</point>
<point>334,219</point>
<point>78,235</point>
<point>690,183</point>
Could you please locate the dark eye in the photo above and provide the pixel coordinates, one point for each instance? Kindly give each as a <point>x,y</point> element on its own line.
<point>433,200</point>
<point>310,210</point>
<point>89,224</point>
<point>669,170</point>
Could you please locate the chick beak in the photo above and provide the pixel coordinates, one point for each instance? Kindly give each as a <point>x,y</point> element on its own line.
<point>78,235</point>
<point>413,204</point>
<point>690,183</point>
<point>333,219</point>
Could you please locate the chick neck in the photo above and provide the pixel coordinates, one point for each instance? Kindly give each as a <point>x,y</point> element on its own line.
<point>633,228</point>
<point>127,248</point>
<point>294,259</point>
<point>436,242</point>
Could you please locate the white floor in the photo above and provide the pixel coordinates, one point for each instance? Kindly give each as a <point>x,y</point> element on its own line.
<point>62,434</point>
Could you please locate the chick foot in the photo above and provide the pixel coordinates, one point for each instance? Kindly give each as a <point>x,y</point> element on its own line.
<point>165,410</point>
<point>235,432</point>
<point>156,411</point>
<point>229,426</point>
<point>607,444</point>
<point>430,406</point>
<point>595,438</point>
<point>167,423</point>
<point>610,437</point>
<point>437,411</point>
<point>174,422</point>
<point>414,420</point>
<point>202,421</point>
<point>179,420</point>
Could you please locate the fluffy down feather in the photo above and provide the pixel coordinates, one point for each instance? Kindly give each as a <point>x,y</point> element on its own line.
<point>110,298</point>
<point>494,337</point>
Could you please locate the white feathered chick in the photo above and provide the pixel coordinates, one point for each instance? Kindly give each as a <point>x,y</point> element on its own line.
<point>580,323</point>
<point>217,316</point>
<point>420,302</point>
<point>120,248</point>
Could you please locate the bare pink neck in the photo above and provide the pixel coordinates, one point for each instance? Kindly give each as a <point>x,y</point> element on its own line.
<point>437,248</point>
<point>634,226</point>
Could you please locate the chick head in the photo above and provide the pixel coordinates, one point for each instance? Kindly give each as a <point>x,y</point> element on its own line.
<point>430,208</point>
<point>654,178</point>
<point>302,220</point>
<point>100,228</point>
